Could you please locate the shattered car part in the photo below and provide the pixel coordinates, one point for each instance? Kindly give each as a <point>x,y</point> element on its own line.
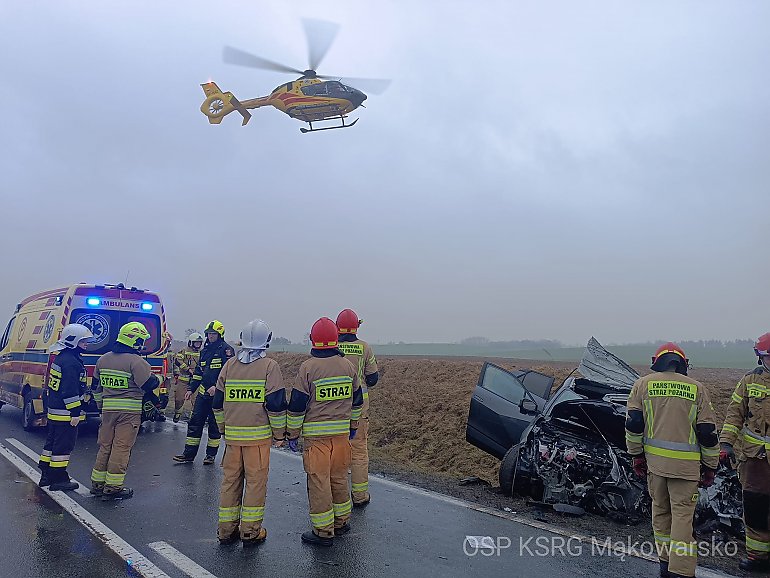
<point>572,450</point>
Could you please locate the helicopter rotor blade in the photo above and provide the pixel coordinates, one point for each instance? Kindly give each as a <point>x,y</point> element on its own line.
<point>320,36</point>
<point>241,58</point>
<point>369,85</point>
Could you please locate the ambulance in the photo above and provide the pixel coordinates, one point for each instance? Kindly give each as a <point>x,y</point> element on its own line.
<point>37,323</point>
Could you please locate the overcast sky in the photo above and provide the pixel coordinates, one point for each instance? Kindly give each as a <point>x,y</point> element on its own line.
<point>536,169</point>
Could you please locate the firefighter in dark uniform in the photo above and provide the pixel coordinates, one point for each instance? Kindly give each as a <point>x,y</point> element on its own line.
<point>66,384</point>
<point>213,356</point>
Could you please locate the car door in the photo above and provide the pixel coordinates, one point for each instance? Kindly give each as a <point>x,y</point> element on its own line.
<point>496,419</point>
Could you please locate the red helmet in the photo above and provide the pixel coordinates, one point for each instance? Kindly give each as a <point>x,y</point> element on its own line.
<point>762,346</point>
<point>323,335</point>
<point>667,348</point>
<point>348,321</point>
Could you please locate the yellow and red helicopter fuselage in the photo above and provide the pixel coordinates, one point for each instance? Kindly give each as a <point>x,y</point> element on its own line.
<point>306,99</point>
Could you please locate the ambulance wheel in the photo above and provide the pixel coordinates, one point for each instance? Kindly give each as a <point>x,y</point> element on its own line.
<point>28,414</point>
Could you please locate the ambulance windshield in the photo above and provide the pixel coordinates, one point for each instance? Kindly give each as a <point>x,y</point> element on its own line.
<point>105,324</point>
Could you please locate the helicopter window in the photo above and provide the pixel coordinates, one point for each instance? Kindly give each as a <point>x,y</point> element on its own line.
<point>317,89</point>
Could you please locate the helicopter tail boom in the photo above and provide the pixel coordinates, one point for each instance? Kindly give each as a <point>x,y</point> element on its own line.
<point>219,104</point>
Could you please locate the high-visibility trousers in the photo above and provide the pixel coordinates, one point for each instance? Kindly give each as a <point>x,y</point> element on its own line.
<point>202,415</point>
<point>117,436</point>
<point>754,474</point>
<point>180,388</point>
<point>326,460</point>
<point>57,450</point>
<point>673,508</point>
<point>359,464</point>
<point>243,491</point>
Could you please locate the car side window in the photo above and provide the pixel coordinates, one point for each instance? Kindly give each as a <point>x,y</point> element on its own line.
<point>502,383</point>
<point>7,333</point>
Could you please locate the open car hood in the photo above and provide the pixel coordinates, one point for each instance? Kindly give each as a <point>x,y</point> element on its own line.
<point>601,366</point>
<point>601,418</point>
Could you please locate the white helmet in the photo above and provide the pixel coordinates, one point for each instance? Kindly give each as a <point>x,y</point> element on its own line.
<point>195,336</point>
<point>255,338</point>
<point>71,335</point>
<point>256,335</point>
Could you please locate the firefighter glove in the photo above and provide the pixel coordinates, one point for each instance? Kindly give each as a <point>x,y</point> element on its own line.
<point>639,465</point>
<point>707,476</point>
<point>74,421</point>
<point>293,445</point>
<point>150,411</point>
<point>726,454</point>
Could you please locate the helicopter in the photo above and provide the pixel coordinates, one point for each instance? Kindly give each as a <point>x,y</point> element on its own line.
<point>311,98</point>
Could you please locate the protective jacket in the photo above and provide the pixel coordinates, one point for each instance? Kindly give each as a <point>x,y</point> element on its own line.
<point>124,378</point>
<point>66,386</point>
<point>185,362</point>
<point>327,399</point>
<point>678,431</point>
<point>360,354</point>
<point>212,359</point>
<point>748,415</point>
<point>250,402</point>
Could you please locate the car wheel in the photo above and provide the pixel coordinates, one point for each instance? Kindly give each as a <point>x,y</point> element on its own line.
<point>28,414</point>
<point>507,471</point>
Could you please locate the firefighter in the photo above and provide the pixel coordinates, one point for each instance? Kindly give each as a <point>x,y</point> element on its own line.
<point>185,362</point>
<point>325,407</point>
<point>250,408</point>
<point>360,354</point>
<point>748,419</point>
<point>214,355</point>
<point>167,373</point>
<point>66,384</point>
<point>124,378</point>
<point>671,434</point>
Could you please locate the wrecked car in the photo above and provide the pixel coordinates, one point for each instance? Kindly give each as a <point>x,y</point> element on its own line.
<point>566,449</point>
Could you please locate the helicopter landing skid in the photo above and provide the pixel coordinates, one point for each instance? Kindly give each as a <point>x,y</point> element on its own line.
<point>343,125</point>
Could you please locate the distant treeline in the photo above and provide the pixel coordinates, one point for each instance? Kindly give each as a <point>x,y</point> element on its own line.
<point>702,353</point>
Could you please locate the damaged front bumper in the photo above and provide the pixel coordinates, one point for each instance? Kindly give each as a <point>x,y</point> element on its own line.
<point>575,466</point>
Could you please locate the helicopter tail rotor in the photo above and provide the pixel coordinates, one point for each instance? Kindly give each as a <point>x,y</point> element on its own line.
<point>219,104</point>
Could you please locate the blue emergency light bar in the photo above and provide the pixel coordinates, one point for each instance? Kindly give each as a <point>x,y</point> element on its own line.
<point>93,301</point>
<point>146,306</point>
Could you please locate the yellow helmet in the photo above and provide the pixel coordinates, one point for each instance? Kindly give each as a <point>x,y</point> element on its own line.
<point>133,334</point>
<point>216,326</point>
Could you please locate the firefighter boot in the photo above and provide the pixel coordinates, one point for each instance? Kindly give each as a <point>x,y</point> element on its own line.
<point>311,537</point>
<point>122,494</point>
<point>344,529</point>
<point>231,539</point>
<point>44,479</point>
<point>208,460</point>
<point>184,459</point>
<point>754,564</point>
<point>260,537</point>
<point>67,486</point>
<point>664,573</point>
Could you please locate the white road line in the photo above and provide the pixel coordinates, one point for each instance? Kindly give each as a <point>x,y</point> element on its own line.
<point>140,564</point>
<point>180,560</point>
<point>699,572</point>
<point>30,453</point>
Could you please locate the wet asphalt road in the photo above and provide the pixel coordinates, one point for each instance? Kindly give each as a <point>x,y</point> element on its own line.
<point>401,533</point>
<point>40,539</point>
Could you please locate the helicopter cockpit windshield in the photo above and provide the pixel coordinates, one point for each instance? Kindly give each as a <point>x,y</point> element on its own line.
<point>329,88</point>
